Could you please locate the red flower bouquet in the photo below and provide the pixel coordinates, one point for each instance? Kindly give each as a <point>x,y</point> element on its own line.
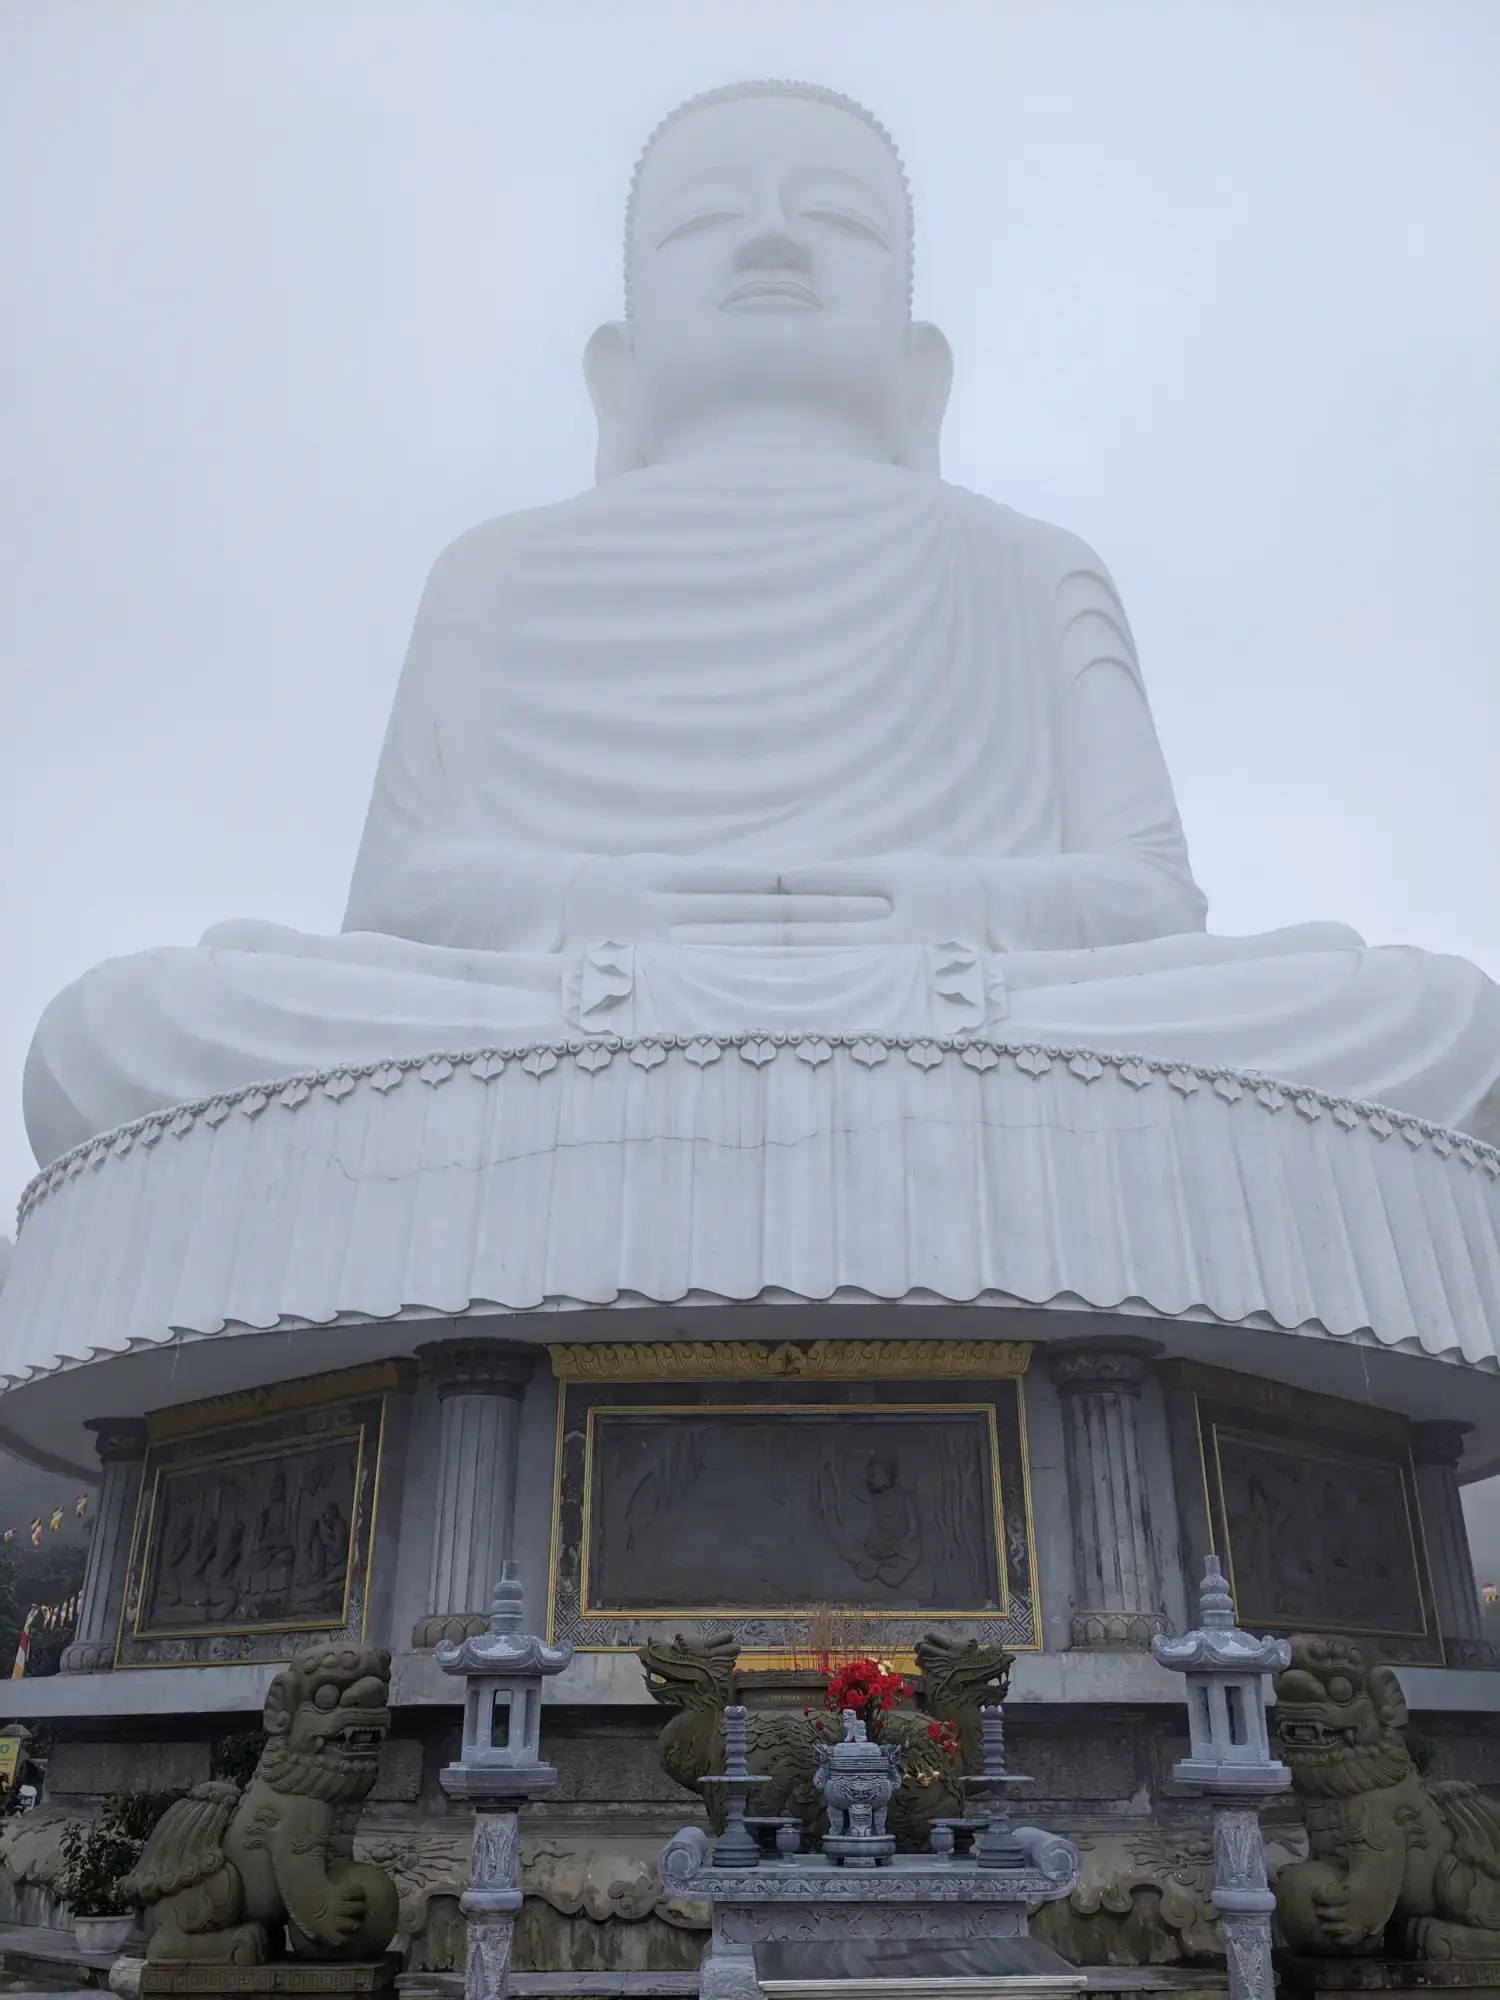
<point>870,1687</point>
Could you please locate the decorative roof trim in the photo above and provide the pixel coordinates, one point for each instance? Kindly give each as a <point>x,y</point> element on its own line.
<point>305,1392</point>
<point>538,1059</point>
<point>763,1360</point>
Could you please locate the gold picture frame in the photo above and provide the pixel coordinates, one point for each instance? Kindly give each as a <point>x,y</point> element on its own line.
<point>663,1380</point>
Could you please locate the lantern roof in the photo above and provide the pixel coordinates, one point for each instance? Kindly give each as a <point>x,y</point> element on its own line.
<point>507,1651</point>
<point>1217,1645</point>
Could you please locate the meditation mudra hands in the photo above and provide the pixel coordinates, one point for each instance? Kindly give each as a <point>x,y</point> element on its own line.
<point>684,899</point>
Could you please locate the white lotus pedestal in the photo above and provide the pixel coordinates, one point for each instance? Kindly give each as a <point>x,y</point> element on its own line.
<point>673,1171</point>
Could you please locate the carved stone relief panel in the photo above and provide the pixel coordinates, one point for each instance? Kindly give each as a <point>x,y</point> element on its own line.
<point>1317,1510</point>
<point>870,1511</point>
<point>899,1502</point>
<point>253,1536</point>
<point>262,1539</point>
<point>1318,1537</point>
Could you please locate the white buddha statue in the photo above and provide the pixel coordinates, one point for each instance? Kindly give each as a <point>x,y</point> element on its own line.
<point>771,729</point>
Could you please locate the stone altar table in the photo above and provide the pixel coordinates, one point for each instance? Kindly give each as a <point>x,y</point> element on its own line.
<point>913,1899</point>
<point>1001,1969</point>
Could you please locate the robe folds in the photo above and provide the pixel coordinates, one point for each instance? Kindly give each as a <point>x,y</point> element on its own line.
<point>770,665</point>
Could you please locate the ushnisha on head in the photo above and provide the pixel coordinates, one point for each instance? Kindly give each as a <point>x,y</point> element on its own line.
<point>768,284</point>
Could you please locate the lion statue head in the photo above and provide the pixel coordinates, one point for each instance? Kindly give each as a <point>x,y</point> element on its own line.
<point>325,1718</point>
<point>962,1673</point>
<point>690,1673</point>
<point>1339,1720</point>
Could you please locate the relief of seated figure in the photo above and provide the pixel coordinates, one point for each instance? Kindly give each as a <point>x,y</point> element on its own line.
<point>770,729</point>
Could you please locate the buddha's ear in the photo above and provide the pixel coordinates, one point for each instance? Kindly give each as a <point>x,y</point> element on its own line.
<point>929,378</point>
<point>609,371</point>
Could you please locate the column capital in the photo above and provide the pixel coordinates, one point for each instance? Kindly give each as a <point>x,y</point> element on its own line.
<point>478,1367</point>
<point>1439,1441</point>
<point>1121,1366</point>
<point>118,1438</point>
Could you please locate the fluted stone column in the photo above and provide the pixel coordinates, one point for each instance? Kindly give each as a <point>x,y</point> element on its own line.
<point>121,1445</point>
<point>480,1384</point>
<point>1437,1449</point>
<point>1117,1596</point>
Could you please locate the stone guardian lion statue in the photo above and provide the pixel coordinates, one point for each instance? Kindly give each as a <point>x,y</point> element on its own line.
<point>225,1875</point>
<point>1397,1862</point>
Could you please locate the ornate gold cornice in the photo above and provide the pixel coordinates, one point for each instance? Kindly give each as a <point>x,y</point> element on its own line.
<point>280,1399</point>
<point>787,1361</point>
<point>1277,1399</point>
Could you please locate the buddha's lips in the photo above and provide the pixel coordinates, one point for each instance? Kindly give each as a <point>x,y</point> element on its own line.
<point>772,295</point>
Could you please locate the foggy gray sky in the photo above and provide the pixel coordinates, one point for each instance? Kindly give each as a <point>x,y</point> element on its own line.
<point>298,292</point>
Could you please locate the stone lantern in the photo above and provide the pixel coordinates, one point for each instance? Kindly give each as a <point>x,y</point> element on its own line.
<point>1229,1759</point>
<point>1225,1670</point>
<point>499,1769</point>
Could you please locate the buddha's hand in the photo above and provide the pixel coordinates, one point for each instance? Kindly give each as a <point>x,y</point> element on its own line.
<point>918,899</point>
<point>672,898</point>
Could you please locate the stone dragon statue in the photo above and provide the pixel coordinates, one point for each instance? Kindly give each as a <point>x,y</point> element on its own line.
<point>696,1679</point>
<point>1397,1862</point>
<point>225,1873</point>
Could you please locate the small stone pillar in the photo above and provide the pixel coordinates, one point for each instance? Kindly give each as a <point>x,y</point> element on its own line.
<point>480,1384</point>
<point>1117,1596</point>
<point>499,1770</point>
<point>1437,1449</point>
<point>121,1445</point>
<point>1229,1762</point>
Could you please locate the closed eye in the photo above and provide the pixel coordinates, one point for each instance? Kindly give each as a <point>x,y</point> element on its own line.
<point>848,221</point>
<point>693,225</point>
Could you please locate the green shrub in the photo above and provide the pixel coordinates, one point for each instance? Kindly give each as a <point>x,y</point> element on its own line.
<point>235,1757</point>
<point>96,1853</point>
<point>1422,1750</point>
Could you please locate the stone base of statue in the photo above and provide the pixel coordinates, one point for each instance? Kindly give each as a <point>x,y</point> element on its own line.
<point>1306,1978</point>
<point>286,1975</point>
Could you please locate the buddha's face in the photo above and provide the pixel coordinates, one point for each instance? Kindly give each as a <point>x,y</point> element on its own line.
<point>769,258</point>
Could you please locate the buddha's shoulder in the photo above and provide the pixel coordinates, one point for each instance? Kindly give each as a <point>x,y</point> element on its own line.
<point>1036,542</point>
<point>491,547</point>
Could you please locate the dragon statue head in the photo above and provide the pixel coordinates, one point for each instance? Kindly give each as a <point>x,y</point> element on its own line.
<point>325,1718</point>
<point>690,1673</point>
<point>960,1674</point>
<point>1339,1721</point>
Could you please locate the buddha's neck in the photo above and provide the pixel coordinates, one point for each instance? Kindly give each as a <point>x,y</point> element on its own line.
<point>771,432</point>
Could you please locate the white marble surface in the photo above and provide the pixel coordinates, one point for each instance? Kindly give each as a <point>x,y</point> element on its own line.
<point>756,1170</point>
<point>776,715</point>
<point>772,891</point>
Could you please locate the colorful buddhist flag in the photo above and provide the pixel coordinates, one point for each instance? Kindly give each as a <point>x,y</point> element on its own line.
<point>23,1648</point>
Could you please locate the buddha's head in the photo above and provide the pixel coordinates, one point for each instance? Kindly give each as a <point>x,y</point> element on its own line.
<point>768,279</point>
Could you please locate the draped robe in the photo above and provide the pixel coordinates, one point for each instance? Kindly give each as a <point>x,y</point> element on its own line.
<point>778,662</point>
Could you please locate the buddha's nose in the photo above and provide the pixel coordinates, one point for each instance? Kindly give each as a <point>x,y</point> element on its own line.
<point>774,250</point>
